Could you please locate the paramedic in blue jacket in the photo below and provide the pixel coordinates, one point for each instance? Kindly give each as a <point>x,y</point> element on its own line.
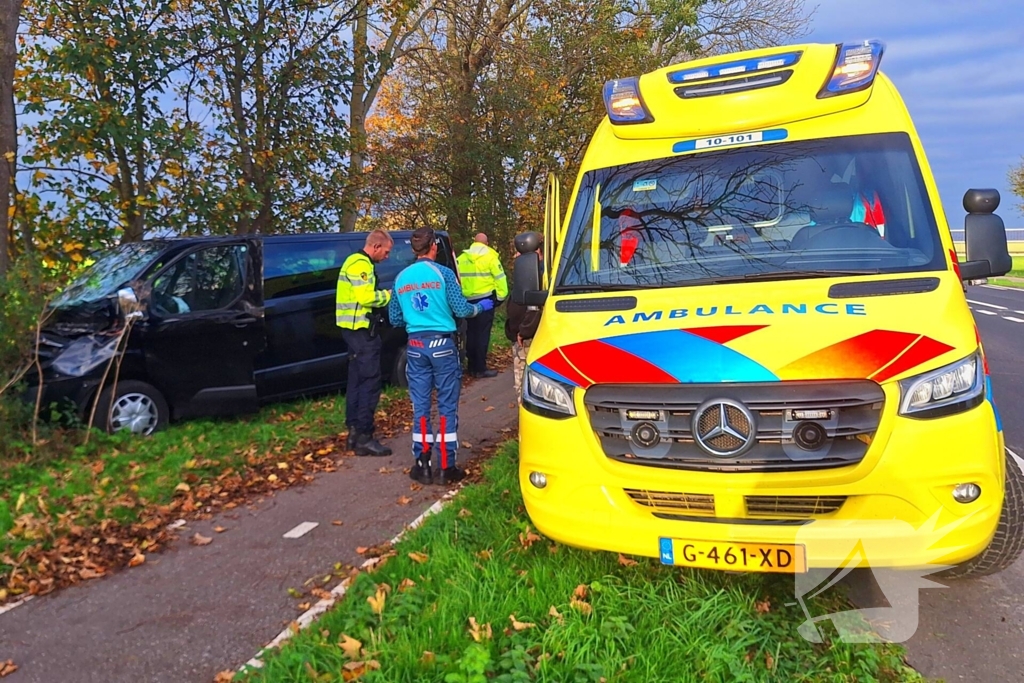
<point>427,299</point>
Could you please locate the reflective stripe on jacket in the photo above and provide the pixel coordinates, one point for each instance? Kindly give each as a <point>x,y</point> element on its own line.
<point>358,293</point>
<point>481,271</point>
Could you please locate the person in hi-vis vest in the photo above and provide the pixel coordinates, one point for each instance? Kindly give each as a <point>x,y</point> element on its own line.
<point>482,278</point>
<point>357,297</point>
<point>426,301</point>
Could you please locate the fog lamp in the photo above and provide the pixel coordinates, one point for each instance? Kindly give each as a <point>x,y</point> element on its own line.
<point>966,493</point>
<point>538,479</point>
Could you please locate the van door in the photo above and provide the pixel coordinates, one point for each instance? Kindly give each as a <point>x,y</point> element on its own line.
<point>205,327</point>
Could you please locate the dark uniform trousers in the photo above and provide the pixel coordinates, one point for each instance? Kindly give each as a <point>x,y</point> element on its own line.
<point>363,379</point>
<point>478,338</point>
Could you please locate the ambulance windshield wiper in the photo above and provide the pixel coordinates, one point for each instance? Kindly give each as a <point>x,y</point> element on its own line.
<point>582,289</point>
<point>794,274</point>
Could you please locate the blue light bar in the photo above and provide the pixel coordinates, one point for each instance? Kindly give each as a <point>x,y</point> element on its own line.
<point>746,66</point>
<point>855,68</point>
<point>623,101</point>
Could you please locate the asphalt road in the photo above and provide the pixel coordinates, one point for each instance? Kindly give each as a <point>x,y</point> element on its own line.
<point>974,629</point>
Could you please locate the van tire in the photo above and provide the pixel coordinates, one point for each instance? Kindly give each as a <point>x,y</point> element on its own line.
<point>1007,544</point>
<point>398,377</point>
<point>145,408</point>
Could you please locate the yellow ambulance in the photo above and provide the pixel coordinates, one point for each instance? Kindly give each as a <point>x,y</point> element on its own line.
<point>756,352</point>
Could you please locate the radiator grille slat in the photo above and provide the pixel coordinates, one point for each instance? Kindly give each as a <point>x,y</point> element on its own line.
<point>793,506</point>
<point>668,501</point>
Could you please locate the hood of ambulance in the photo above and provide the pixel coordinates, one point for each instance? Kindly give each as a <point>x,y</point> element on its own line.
<point>757,332</point>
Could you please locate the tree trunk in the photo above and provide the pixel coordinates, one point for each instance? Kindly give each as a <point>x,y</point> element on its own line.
<point>357,121</point>
<point>10,11</point>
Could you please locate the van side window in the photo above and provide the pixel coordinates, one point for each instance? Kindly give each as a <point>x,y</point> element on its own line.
<point>207,280</point>
<point>303,267</point>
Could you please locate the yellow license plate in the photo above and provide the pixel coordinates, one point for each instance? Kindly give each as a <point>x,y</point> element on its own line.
<point>742,557</point>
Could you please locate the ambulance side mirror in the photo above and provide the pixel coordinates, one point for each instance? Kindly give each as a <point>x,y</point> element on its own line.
<point>526,272</point>
<point>985,235</point>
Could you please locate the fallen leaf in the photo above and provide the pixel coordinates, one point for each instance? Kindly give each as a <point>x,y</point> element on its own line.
<point>303,606</point>
<point>466,444</point>
<point>225,676</point>
<point>19,505</point>
<point>406,584</point>
<point>219,529</point>
<point>463,513</point>
<point>520,625</point>
<point>763,606</point>
<point>385,470</point>
<point>295,593</point>
<point>769,661</point>
<point>199,539</point>
<point>428,657</point>
<point>581,592</point>
<point>479,632</point>
<point>625,561</point>
<point>529,538</point>
<point>415,487</point>
<point>556,614</point>
<point>88,574</point>
<point>136,560</point>
<point>7,668</point>
<point>272,478</point>
<point>3,594</point>
<point>553,548</point>
<point>182,488</point>
<point>584,608</point>
<point>337,522</point>
<point>418,558</point>
<point>377,601</point>
<point>488,409</point>
<point>324,451</point>
<point>282,465</point>
<point>484,554</point>
<point>361,550</point>
<point>404,500</point>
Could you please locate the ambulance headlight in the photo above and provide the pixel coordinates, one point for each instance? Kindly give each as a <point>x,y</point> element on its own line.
<point>548,397</point>
<point>624,103</point>
<point>950,389</point>
<point>855,68</point>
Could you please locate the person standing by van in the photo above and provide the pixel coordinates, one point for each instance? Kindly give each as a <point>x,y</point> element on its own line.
<point>426,301</point>
<point>520,327</point>
<point>356,298</point>
<point>482,278</point>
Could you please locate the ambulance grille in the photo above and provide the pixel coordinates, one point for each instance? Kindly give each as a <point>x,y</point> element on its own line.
<point>668,501</point>
<point>790,507</point>
<point>846,414</point>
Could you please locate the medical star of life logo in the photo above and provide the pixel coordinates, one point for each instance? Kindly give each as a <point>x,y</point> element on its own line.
<point>420,302</point>
<point>887,597</point>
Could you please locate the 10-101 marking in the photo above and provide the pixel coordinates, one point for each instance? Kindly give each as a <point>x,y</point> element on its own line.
<point>724,140</point>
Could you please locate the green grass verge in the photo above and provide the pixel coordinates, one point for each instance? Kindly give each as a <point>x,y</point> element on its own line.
<point>640,622</point>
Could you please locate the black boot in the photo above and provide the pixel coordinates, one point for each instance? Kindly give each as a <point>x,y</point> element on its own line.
<point>421,471</point>
<point>367,445</point>
<point>451,475</point>
<point>351,440</point>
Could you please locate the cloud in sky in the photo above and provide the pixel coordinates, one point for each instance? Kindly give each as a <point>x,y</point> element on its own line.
<point>956,65</point>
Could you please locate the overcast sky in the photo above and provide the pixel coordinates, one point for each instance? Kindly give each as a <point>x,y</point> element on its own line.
<point>960,68</point>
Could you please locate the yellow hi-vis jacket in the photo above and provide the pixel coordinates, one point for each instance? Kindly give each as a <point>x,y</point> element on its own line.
<point>481,272</point>
<point>358,293</point>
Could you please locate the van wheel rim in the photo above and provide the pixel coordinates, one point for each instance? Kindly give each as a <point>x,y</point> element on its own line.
<point>136,413</point>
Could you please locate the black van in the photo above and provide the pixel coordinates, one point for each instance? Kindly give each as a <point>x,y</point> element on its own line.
<point>227,324</point>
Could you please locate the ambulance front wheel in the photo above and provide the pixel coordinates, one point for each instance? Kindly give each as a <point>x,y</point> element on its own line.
<point>398,377</point>
<point>1007,544</point>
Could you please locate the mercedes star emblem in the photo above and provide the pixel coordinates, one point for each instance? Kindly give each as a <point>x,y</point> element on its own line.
<point>724,428</point>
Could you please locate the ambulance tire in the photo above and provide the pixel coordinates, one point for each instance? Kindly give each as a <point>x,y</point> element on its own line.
<point>1008,543</point>
<point>398,377</point>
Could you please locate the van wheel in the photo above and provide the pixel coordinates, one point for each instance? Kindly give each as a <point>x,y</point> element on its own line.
<point>398,377</point>
<point>132,406</point>
<point>1007,544</point>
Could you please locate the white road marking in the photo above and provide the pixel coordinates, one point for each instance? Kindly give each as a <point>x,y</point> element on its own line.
<point>1020,460</point>
<point>1001,288</point>
<point>1021,312</point>
<point>302,529</point>
<point>1010,317</point>
<point>338,591</point>
<point>984,312</point>
<point>8,608</point>
<point>982,303</point>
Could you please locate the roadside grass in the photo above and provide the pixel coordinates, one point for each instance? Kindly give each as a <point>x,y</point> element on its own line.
<point>473,595</point>
<point>1002,282</point>
<point>1018,267</point>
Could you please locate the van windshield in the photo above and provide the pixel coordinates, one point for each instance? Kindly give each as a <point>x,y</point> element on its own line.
<point>836,206</point>
<point>113,268</point>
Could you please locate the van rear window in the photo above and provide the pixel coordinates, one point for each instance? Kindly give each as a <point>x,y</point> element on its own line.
<point>303,267</point>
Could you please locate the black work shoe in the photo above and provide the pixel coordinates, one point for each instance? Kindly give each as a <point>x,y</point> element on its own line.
<point>485,374</point>
<point>367,445</point>
<point>351,440</point>
<point>421,472</point>
<point>451,475</point>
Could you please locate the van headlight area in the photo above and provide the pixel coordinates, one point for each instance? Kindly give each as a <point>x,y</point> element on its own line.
<point>548,397</point>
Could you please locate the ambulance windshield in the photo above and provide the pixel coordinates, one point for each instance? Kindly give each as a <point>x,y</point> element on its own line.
<point>789,210</point>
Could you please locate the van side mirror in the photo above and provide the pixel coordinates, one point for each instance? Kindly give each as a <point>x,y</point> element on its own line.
<point>128,303</point>
<point>985,234</point>
<point>526,273</point>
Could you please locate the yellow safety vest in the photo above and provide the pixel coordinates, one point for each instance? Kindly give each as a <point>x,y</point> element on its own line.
<point>358,293</point>
<point>481,272</point>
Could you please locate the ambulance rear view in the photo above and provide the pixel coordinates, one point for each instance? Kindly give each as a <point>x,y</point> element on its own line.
<point>755,350</point>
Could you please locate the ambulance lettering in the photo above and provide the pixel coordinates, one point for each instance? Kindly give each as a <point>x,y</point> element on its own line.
<point>758,310</point>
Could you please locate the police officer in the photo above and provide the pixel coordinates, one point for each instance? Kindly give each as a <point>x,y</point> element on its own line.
<point>357,296</point>
<point>482,278</point>
<point>427,300</point>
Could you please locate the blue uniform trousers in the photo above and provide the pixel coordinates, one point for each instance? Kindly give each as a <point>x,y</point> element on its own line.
<point>364,379</point>
<point>434,364</point>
